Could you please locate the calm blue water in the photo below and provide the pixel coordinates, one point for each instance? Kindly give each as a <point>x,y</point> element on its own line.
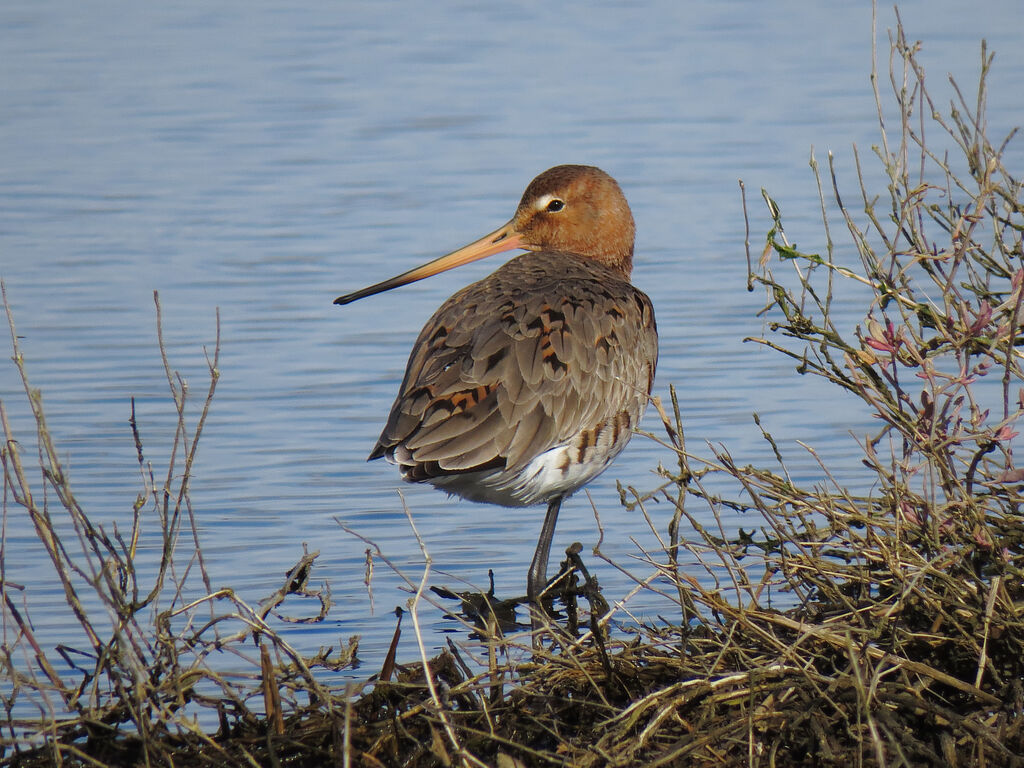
<point>263,158</point>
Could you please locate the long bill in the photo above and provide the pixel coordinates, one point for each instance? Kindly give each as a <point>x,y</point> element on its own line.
<point>505,238</point>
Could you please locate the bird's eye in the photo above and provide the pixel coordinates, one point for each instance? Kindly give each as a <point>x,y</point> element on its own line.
<point>555,206</point>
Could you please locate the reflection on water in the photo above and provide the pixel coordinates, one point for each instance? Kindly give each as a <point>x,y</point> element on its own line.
<point>264,162</point>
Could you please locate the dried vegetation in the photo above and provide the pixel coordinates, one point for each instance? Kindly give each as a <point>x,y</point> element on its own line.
<point>902,639</point>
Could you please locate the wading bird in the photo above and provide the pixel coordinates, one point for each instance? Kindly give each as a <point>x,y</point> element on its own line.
<point>524,386</point>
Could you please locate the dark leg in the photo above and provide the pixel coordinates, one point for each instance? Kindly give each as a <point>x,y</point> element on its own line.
<point>537,578</point>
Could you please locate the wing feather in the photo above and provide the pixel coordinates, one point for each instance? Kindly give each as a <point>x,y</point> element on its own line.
<point>520,363</point>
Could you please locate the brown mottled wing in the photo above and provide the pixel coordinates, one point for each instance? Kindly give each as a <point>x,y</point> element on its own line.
<point>518,363</point>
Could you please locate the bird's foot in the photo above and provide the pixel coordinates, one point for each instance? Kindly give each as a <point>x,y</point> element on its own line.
<point>572,582</point>
<point>554,609</point>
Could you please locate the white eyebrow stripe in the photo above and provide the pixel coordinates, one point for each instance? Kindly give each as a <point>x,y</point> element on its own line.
<point>543,200</point>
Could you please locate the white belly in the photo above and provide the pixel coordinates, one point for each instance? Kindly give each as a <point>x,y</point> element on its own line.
<point>556,472</point>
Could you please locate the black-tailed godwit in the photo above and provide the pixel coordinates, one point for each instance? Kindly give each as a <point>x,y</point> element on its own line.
<point>524,386</point>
